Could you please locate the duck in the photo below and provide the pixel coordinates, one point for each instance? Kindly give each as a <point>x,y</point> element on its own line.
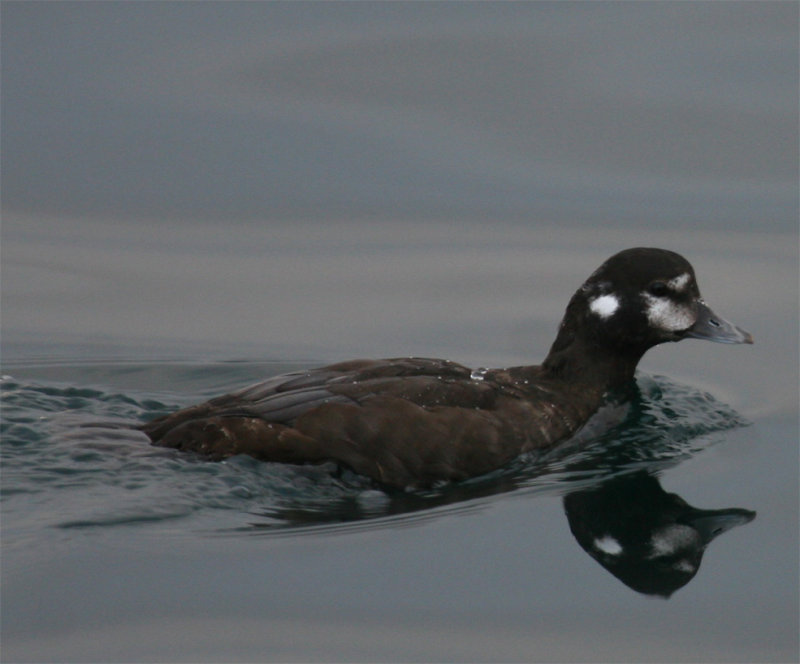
<point>414,422</point>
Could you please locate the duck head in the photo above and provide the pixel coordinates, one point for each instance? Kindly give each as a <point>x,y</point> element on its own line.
<point>637,299</point>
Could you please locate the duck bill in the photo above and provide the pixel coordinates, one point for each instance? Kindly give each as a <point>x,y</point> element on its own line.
<point>710,523</point>
<point>715,328</point>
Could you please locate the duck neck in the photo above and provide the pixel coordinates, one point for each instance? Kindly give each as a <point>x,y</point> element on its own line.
<point>582,361</point>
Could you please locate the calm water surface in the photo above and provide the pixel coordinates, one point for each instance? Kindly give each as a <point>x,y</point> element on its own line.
<point>253,188</point>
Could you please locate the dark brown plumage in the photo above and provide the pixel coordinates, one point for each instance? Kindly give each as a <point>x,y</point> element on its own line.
<point>413,421</point>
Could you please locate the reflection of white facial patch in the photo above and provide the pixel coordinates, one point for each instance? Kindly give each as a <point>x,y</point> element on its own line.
<point>608,545</point>
<point>680,282</point>
<point>604,305</point>
<point>674,540</point>
<point>664,314</point>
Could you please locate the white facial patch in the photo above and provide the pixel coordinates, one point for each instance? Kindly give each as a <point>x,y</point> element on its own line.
<point>680,282</point>
<point>664,314</point>
<point>604,306</point>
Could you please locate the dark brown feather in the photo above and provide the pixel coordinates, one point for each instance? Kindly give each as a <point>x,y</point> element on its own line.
<point>403,422</point>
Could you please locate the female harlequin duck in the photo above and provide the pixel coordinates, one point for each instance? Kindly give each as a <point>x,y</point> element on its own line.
<point>412,422</point>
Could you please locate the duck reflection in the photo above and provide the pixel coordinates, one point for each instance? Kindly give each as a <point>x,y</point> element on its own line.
<point>651,540</point>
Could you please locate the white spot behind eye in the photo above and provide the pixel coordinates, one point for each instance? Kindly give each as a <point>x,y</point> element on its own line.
<point>604,305</point>
<point>680,282</point>
<point>664,314</point>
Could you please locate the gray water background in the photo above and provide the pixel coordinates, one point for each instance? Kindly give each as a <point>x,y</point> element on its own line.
<point>184,184</point>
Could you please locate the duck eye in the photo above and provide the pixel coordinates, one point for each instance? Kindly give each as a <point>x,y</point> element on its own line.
<point>658,289</point>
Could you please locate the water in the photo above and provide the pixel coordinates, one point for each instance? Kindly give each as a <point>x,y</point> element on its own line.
<point>198,196</point>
